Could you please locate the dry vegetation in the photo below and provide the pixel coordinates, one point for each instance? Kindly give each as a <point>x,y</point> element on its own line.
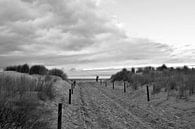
<point>178,82</point>
<point>37,69</point>
<point>21,99</point>
<point>159,112</point>
<point>171,92</point>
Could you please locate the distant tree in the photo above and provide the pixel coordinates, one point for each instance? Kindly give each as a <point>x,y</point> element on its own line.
<point>38,69</point>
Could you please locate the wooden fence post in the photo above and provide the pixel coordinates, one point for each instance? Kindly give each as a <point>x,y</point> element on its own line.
<point>70,92</point>
<point>124,87</point>
<point>59,115</point>
<point>148,94</point>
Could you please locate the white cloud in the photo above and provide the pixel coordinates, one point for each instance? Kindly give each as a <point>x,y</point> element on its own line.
<point>69,32</point>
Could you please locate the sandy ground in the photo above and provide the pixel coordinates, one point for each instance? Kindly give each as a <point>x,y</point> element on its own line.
<point>159,112</point>
<point>98,107</point>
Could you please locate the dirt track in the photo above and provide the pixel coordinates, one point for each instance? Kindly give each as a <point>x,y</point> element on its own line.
<point>97,107</point>
<point>100,112</point>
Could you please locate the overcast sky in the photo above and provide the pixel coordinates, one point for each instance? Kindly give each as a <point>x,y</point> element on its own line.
<point>87,34</point>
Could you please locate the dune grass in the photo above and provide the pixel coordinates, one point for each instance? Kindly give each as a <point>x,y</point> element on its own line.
<point>21,98</point>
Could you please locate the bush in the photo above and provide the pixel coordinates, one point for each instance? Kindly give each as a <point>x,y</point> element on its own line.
<point>58,72</point>
<point>11,68</point>
<point>25,68</point>
<point>123,75</point>
<point>181,79</point>
<point>38,69</point>
<point>18,68</point>
<point>161,68</point>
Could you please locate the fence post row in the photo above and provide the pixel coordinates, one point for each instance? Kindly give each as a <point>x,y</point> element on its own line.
<point>124,87</point>
<point>59,115</point>
<point>70,92</point>
<point>148,95</point>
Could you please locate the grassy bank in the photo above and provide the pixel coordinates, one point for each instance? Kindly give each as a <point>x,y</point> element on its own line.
<point>21,100</point>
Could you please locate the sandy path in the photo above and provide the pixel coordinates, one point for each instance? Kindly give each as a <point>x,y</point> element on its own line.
<point>97,107</point>
<point>100,112</point>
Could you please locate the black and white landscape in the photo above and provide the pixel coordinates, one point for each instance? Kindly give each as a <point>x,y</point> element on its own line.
<point>97,64</point>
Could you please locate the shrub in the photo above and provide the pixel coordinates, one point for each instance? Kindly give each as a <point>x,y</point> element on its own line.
<point>38,69</point>
<point>11,68</point>
<point>58,72</point>
<point>161,68</point>
<point>18,68</point>
<point>123,75</point>
<point>25,68</point>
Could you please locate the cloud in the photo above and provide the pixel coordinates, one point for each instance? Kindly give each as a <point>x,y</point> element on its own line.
<point>69,32</point>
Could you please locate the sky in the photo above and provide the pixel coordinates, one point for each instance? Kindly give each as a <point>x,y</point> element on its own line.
<point>97,34</point>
